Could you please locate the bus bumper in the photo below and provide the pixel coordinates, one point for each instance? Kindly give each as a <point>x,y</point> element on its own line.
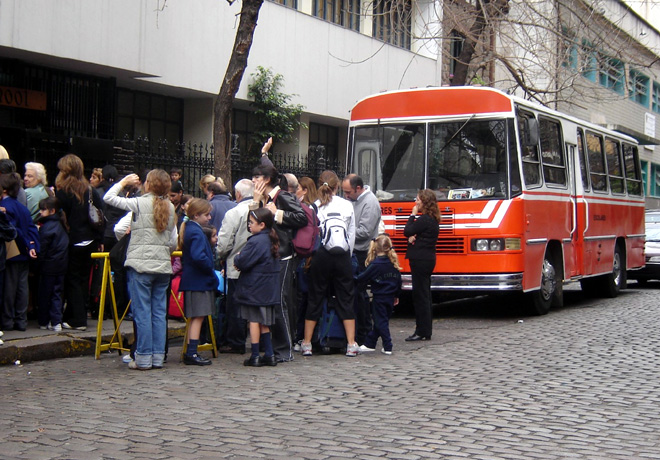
<point>471,282</point>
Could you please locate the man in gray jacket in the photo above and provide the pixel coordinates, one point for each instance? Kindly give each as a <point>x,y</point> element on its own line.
<point>367,218</point>
<point>232,237</point>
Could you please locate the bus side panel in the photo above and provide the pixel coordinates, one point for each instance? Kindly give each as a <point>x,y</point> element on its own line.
<point>548,221</point>
<point>609,220</point>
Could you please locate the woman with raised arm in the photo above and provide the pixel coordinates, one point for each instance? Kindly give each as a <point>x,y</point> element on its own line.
<point>148,262</point>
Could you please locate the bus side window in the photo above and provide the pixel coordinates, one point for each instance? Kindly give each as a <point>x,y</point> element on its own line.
<point>614,169</point>
<point>596,162</point>
<point>529,150</point>
<point>552,154</point>
<point>633,174</point>
<point>582,159</point>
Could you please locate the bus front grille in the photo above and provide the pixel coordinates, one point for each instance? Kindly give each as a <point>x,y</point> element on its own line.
<point>450,245</point>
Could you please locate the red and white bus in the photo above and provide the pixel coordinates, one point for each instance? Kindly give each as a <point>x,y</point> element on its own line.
<point>529,197</point>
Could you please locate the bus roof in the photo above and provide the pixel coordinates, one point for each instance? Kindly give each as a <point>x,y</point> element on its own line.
<point>431,102</point>
<point>435,102</point>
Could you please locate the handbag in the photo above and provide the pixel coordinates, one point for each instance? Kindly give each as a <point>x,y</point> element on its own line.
<point>117,254</point>
<point>95,215</point>
<point>12,249</point>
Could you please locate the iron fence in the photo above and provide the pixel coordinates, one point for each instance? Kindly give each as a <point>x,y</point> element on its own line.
<point>194,159</point>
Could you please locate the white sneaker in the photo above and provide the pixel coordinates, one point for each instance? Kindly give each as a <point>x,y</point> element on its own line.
<point>306,349</point>
<point>126,358</point>
<point>56,328</point>
<point>364,349</point>
<point>352,350</point>
<point>1,333</point>
<point>79,328</point>
<point>45,328</point>
<point>2,342</point>
<point>297,347</point>
<point>385,352</point>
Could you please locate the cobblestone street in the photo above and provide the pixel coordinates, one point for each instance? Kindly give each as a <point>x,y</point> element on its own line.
<point>581,382</point>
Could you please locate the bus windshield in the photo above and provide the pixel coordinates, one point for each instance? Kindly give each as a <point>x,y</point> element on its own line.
<point>464,159</point>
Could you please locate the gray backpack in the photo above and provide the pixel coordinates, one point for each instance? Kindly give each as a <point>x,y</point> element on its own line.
<point>334,236</point>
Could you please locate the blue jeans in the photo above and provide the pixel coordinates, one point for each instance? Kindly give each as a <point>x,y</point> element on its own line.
<point>149,307</point>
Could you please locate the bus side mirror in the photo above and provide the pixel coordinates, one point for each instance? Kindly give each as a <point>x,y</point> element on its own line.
<point>531,132</point>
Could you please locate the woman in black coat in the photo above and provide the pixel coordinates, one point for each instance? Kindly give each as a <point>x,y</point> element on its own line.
<point>73,193</point>
<point>422,233</point>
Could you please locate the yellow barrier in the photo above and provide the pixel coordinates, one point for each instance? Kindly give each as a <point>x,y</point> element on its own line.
<point>116,342</point>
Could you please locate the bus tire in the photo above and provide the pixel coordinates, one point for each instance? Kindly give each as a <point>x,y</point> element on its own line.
<point>542,299</point>
<point>611,284</point>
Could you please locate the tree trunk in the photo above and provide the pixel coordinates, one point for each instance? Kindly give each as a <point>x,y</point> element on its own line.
<point>469,46</point>
<point>225,100</point>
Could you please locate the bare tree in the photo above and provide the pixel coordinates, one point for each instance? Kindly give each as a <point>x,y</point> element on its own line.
<point>535,48</point>
<point>224,101</point>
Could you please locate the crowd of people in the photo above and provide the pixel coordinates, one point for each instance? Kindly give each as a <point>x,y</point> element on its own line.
<point>274,294</point>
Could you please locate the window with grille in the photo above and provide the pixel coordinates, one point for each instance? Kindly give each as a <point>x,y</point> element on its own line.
<point>346,13</point>
<point>392,22</point>
<point>611,73</point>
<point>639,88</point>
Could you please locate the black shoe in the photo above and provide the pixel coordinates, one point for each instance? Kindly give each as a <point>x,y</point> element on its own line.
<point>254,361</point>
<point>196,360</point>
<point>230,349</point>
<point>19,328</point>
<point>269,361</point>
<point>417,338</point>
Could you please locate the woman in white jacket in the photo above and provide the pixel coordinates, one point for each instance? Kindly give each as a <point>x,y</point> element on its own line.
<point>332,264</point>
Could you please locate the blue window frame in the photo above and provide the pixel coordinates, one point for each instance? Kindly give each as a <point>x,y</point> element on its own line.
<point>639,88</point>
<point>655,97</point>
<point>611,73</point>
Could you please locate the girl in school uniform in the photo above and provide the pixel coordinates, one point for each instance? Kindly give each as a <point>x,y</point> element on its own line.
<point>198,279</point>
<point>258,286</point>
<point>384,274</point>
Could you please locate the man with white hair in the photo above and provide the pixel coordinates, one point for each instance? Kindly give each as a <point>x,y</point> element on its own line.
<point>232,237</point>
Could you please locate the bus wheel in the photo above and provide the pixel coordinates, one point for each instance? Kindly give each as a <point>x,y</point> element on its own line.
<point>541,300</point>
<point>611,284</point>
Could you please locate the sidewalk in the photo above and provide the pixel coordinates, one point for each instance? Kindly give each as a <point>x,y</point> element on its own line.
<point>35,344</point>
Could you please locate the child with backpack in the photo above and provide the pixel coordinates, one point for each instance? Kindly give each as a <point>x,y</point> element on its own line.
<point>198,279</point>
<point>258,286</point>
<point>383,272</point>
<point>53,259</point>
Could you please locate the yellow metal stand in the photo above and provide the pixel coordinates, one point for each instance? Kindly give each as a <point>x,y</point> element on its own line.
<point>116,342</point>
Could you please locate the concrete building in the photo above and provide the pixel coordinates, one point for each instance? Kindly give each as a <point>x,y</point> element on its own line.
<point>102,69</point>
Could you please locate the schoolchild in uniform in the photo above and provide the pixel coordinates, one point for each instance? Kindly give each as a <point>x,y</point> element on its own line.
<point>383,272</point>
<point>53,260</point>
<point>258,286</point>
<point>198,279</point>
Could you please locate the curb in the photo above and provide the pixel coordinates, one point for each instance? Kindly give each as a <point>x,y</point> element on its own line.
<point>65,345</point>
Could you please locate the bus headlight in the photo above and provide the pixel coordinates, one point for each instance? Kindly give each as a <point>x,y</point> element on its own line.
<point>495,244</point>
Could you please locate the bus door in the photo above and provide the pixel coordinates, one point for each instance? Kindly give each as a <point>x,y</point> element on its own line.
<point>574,249</point>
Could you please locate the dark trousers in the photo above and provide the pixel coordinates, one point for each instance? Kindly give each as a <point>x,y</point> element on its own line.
<point>381,308</point>
<point>326,268</point>
<point>77,284</point>
<point>281,330</point>
<point>15,296</point>
<point>51,299</point>
<point>363,324</point>
<point>420,271</point>
<point>236,333</point>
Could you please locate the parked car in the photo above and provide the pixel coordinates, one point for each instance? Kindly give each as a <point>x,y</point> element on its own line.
<point>652,252</point>
<point>652,218</point>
